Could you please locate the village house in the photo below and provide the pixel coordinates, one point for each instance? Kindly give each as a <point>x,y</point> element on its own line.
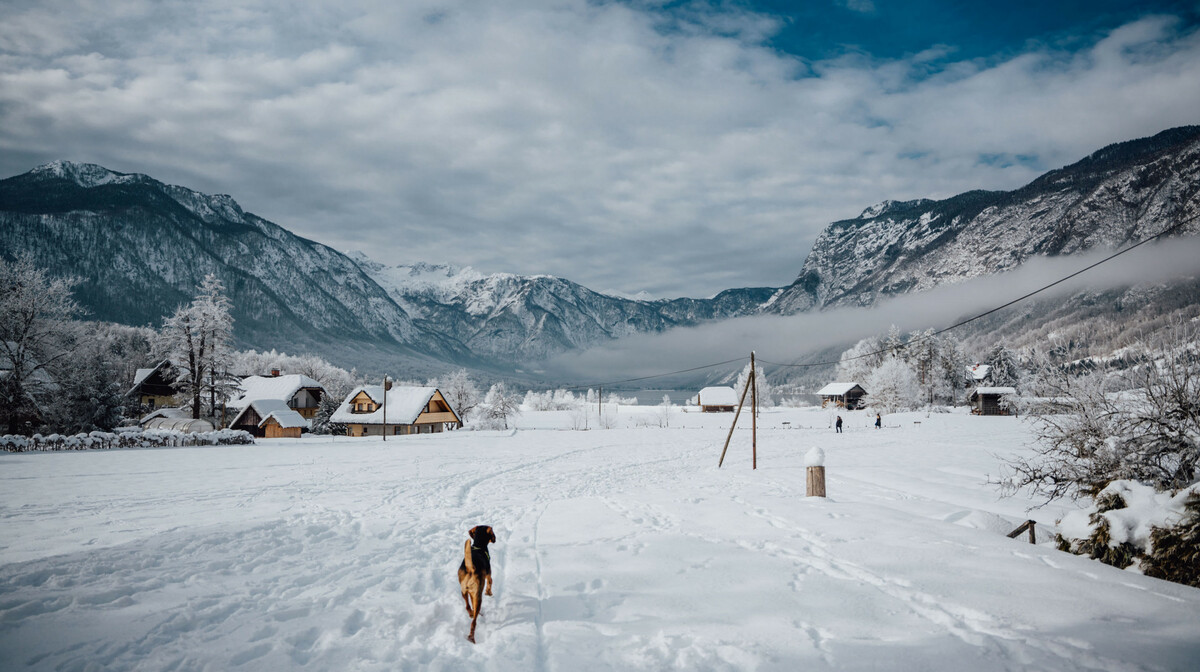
<point>717,400</point>
<point>842,395</point>
<point>299,392</point>
<point>269,419</point>
<point>407,410</point>
<point>989,400</point>
<point>152,386</point>
<point>978,374</point>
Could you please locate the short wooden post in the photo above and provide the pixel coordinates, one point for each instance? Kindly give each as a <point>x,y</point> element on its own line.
<point>816,482</point>
<point>815,461</point>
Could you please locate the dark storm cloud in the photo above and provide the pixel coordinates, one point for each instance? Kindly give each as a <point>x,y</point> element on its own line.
<point>596,141</point>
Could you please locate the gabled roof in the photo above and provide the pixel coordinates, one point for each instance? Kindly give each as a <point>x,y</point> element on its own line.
<point>979,371</point>
<point>404,405</point>
<point>143,374</point>
<point>272,387</point>
<point>838,389</point>
<point>263,407</point>
<point>718,396</point>
<point>286,418</point>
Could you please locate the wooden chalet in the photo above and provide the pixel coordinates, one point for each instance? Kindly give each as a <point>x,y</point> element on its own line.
<point>842,395</point>
<point>717,400</point>
<point>152,387</point>
<point>989,400</point>
<point>408,410</point>
<point>301,393</point>
<point>269,419</point>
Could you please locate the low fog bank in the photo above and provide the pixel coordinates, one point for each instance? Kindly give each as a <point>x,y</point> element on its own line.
<point>793,338</point>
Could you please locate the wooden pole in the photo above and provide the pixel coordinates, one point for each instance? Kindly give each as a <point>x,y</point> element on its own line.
<point>815,486</point>
<point>753,383</point>
<point>385,391</point>
<point>599,401</point>
<point>735,419</point>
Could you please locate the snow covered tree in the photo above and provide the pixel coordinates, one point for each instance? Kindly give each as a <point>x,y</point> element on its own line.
<point>35,323</point>
<point>91,396</point>
<point>859,361</point>
<point>892,386</point>
<point>196,340</point>
<point>460,390</point>
<point>1149,434</point>
<point>1006,372</point>
<point>499,405</point>
<point>762,387</point>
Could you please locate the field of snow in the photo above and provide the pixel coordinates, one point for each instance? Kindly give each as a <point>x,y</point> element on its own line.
<point>618,548</point>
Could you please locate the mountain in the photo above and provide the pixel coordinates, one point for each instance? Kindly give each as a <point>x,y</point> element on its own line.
<point>140,247</point>
<point>1120,194</point>
<point>528,318</point>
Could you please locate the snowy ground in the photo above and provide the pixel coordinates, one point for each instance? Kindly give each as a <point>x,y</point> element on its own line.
<point>621,548</point>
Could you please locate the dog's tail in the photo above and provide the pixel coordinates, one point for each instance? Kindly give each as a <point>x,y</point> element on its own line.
<point>467,557</point>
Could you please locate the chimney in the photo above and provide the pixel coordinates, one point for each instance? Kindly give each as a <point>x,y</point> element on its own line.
<point>274,373</point>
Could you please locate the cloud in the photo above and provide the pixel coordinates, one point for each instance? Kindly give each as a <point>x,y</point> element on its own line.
<point>787,339</point>
<point>620,146</point>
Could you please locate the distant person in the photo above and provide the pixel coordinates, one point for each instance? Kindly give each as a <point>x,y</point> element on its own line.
<point>838,424</point>
<point>878,421</point>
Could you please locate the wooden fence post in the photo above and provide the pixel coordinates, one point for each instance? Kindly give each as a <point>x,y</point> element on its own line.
<point>815,485</point>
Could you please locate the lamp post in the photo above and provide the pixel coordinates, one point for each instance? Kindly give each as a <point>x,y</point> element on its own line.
<point>387,385</point>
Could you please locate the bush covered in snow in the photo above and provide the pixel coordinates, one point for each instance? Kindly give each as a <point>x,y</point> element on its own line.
<point>1132,525</point>
<point>125,437</point>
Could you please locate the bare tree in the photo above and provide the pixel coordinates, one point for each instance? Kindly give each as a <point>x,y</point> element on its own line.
<point>460,390</point>
<point>1143,425</point>
<point>36,315</point>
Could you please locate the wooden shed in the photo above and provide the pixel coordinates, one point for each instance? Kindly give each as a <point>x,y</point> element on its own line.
<point>988,400</point>
<point>152,386</point>
<point>717,400</point>
<point>842,395</point>
<point>408,410</point>
<point>269,418</point>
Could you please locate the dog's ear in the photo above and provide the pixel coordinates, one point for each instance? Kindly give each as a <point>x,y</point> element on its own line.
<point>471,532</point>
<point>491,534</point>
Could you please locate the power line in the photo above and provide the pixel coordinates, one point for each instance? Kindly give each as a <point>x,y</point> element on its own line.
<point>984,314</point>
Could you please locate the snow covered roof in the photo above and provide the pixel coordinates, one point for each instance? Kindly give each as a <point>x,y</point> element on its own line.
<point>143,374</point>
<point>994,390</point>
<point>272,387</point>
<point>836,389</point>
<point>979,371</point>
<point>264,408</point>
<point>718,396</point>
<point>404,404</point>
<point>287,418</point>
<point>165,412</point>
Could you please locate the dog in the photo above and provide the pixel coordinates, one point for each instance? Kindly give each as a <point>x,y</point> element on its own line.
<point>476,571</point>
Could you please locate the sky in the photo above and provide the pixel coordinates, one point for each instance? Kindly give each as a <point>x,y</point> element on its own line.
<point>671,148</point>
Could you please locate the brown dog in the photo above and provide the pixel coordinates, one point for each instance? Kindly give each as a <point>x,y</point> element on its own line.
<point>475,571</point>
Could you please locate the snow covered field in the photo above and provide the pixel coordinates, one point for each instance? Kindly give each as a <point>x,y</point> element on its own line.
<point>621,548</point>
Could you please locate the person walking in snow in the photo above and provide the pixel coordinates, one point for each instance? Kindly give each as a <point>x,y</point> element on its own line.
<point>838,424</point>
<point>878,421</point>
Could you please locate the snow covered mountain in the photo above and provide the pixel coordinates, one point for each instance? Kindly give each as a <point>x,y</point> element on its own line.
<point>502,315</point>
<point>140,247</point>
<point>1120,194</point>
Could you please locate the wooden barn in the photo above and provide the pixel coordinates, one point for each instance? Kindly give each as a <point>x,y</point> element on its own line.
<point>152,387</point>
<point>842,395</point>
<point>408,410</point>
<point>717,400</point>
<point>301,393</point>
<point>269,419</point>
<point>987,400</point>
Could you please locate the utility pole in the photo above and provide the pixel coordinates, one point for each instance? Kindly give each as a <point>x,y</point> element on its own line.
<point>386,386</point>
<point>753,383</point>
<point>600,401</point>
